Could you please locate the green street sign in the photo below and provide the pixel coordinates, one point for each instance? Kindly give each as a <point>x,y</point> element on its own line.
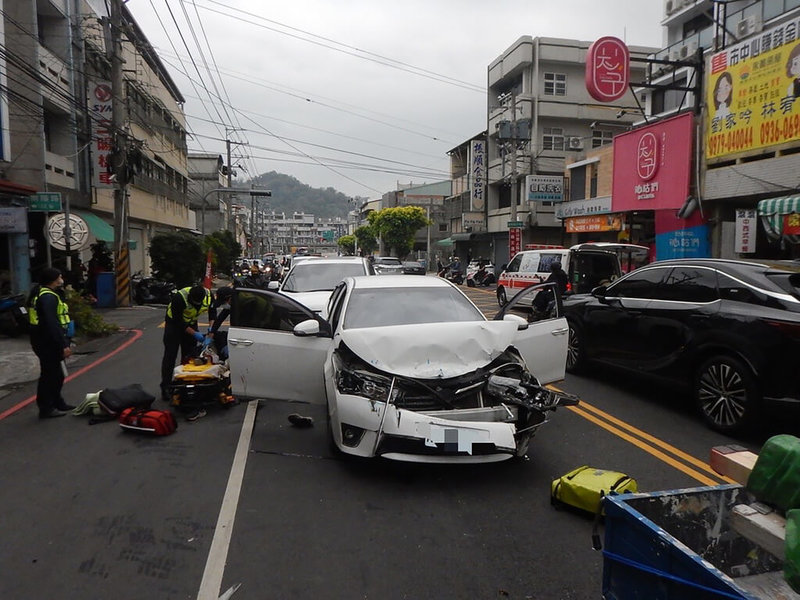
<point>515,223</point>
<point>45,202</point>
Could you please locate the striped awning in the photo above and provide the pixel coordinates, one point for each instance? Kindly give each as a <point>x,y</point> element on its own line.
<point>772,211</point>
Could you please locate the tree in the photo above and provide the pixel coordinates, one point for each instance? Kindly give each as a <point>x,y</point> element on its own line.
<point>367,243</point>
<point>177,257</point>
<point>397,225</point>
<point>225,250</point>
<point>347,244</point>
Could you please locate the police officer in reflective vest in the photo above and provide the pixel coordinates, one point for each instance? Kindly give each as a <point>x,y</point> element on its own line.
<point>181,330</point>
<point>48,315</point>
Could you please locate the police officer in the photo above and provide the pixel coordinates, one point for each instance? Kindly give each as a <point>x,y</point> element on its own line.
<point>181,330</point>
<point>48,315</point>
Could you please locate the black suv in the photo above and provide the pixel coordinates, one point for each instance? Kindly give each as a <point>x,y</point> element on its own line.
<point>728,329</point>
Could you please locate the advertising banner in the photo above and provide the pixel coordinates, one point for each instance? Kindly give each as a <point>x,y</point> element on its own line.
<point>745,235</point>
<point>477,188</point>
<point>652,165</point>
<point>514,240</point>
<point>681,238</point>
<point>545,188</point>
<point>594,223</point>
<point>751,90</point>
<point>791,225</point>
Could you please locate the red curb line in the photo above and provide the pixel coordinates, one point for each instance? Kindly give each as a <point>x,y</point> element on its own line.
<point>22,404</point>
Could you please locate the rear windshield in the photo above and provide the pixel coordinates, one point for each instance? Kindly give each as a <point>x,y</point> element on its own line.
<point>311,276</point>
<point>380,307</point>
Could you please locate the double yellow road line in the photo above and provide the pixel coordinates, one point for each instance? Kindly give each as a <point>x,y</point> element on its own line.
<point>685,463</point>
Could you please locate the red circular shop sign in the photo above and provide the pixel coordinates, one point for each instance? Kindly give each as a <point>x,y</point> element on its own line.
<point>608,69</point>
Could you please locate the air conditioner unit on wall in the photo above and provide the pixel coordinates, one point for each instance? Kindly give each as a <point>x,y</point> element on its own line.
<point>748,26</point>
<point>671,6</point>
<point>688,50</point>
<point>575,143</point>
<point>675,53</point>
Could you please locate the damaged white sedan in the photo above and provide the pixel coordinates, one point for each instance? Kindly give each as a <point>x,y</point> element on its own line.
<point>409,367</point>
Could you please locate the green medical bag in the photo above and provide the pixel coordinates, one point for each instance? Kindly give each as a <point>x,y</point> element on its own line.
<point>584,487</point>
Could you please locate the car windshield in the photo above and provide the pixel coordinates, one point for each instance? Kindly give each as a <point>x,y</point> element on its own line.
<point>312,276</point>
<point>383,307</point>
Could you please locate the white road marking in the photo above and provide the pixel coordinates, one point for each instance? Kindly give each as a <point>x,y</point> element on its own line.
<point>211,584</point>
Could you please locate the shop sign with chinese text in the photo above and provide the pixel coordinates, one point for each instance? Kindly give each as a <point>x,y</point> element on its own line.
<point>100,107</point>
<point>752,89</point>
<point>477,187</point>
<point>607,69</point>
<point>791,224</point>
<point>745,236</point>
<point>652,165</point>
<point>545,188</point>
<point>514,240</point>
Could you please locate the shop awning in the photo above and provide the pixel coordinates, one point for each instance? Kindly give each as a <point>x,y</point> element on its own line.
<point>772,211</point>
<point>445,242</point>
<point>460,237</point>
<point>102,231</point>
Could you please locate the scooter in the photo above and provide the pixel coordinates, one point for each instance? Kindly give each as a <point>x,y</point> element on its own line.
<point>149,290</point>
<point>479,277</point>
<point>456,277</point>
<point>13,315</point>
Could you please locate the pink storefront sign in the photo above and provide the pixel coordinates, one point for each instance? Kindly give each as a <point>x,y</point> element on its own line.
<point>652,165</point>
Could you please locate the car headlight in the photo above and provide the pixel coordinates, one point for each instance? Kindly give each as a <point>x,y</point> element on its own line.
<point>363,383</point>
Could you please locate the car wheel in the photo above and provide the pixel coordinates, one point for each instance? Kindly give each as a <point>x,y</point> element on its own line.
<point>501,297</point>
<point>576,358</point>
<point>726,392</point>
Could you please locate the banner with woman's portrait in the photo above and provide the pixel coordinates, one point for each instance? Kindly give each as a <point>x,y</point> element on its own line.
<point>752,89</point>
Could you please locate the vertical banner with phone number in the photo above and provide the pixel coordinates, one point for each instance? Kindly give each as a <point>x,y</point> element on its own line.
<point>752,93</point>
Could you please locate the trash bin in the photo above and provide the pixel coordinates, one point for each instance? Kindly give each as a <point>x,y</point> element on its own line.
<point>106,294</point>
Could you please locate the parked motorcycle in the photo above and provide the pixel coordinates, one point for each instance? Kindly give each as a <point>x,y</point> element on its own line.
<point>13,315</point>
<point>149,290</point>
<point>480,277</point>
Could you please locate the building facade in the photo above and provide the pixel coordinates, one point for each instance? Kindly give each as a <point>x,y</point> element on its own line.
<point>539,114</point>
<point>57,139</point>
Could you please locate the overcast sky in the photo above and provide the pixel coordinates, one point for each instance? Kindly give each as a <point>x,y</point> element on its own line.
<point>357,95</point>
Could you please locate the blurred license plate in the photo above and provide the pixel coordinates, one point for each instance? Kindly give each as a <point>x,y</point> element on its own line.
<point>455,439</point>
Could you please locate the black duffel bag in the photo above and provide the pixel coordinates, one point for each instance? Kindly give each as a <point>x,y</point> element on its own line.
<point>114,400</point>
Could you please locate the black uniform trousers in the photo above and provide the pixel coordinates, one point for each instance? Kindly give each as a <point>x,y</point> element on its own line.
<point>175,338</point>
<point>51,377</point>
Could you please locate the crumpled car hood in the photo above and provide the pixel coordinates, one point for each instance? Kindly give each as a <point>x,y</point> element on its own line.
<point>431,350</point>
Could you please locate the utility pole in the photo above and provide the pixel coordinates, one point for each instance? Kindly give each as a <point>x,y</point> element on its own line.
<point>231,225</point>
<point>121,251</point>
<point>514,190</point>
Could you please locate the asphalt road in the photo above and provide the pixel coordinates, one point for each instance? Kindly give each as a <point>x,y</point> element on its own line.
<point>92,512</point>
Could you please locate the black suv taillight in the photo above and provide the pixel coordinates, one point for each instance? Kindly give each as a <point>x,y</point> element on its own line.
<point>788,328</point>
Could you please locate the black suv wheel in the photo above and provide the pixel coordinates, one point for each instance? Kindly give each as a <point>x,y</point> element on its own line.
<point>726,393</point>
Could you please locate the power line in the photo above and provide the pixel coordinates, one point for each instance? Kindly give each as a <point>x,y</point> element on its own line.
<point>357,52</point>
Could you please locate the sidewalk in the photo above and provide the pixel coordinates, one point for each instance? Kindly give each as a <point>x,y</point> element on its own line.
<point>18,363</point>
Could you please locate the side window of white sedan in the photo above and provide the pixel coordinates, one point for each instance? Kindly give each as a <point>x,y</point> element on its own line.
<point>263,310</point>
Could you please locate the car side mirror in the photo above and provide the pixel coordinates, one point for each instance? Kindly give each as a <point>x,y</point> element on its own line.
<point>599,291</point>
<point>273,285</point>
<point>522,324</point>
<point>306,328</point>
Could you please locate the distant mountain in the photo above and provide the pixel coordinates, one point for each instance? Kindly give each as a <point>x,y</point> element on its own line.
<point>290,195</point>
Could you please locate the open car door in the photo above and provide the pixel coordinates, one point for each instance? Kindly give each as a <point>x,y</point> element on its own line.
<point>543,344</point>
<point>267,358</point>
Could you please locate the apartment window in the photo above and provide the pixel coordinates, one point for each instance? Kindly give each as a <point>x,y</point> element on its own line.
<point>601,138</point>
<point>555,84</point>
<point>552,138</point>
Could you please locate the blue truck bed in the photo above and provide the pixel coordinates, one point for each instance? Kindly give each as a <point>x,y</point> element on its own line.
<point>679,544</point>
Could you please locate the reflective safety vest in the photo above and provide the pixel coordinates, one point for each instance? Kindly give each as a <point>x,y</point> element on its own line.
<point>62,310</point>
<point>190,313</point>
